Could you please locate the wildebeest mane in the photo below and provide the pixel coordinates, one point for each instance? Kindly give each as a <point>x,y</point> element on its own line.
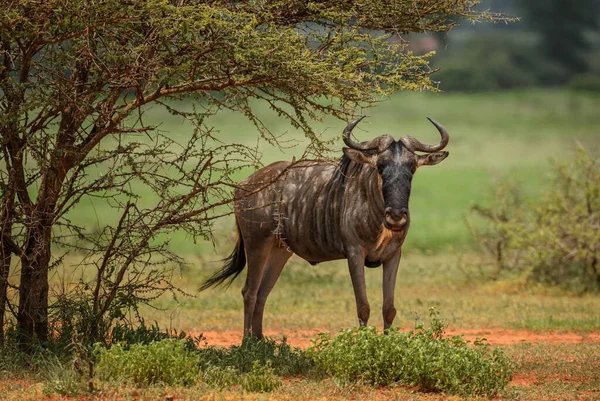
<point>342,171</point>
<point>346,168</point>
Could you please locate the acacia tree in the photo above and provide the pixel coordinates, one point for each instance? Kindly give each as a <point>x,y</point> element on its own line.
<point>75,79</point>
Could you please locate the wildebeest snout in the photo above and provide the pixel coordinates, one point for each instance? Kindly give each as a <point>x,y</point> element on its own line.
<point>396,219</point>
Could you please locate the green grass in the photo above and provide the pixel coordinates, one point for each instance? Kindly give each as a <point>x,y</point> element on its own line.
<point>557,371</point>
<point>309,297</point>
<point>492,136</point>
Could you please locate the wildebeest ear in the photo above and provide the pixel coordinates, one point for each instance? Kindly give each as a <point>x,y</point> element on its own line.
<point>432,158</point>
<point>358,156</point>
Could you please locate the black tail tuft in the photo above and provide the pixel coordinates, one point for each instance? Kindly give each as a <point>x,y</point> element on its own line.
<point>233,267</point>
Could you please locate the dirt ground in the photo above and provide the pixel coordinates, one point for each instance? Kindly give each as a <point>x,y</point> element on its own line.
<point>301,338</point>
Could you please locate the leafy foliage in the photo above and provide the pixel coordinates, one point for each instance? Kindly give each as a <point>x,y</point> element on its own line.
<point>424,358</point>
<point>558,240</point>
<point>127,335</point>
<point>281,358</point>
<point>221,377</point>
<point>255,365</point>
<point>164,362</point>
<point>60,377</point>
<point>12,359</point>
<point>261,379</point>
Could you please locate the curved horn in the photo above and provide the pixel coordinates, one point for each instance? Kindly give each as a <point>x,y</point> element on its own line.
<point>380,143</point>
<point>414,144</point>
<point>348,131</point>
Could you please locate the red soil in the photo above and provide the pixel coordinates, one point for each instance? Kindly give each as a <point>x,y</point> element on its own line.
<point>301,338</point>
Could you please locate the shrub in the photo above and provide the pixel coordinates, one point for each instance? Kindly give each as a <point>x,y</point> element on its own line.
<point>165,362</point>
<point>127,335</point>
<point>13,360</point>
<point>424,358</point>
<point>556,242</point>
<point>284,360</point>
<point>221,377</point>
<point>255,364</point>
<point>261,379</point>
<point>61,377</point>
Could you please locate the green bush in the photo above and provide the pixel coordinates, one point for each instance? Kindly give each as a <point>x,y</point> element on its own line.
<point>424,358</point>
<point>221,377</point>
<point>261,379</point>
<point>167,362</point>
<point>556,241</point>
<point>126,334</point>
<point>60,377</point>
<point>284,360</point>
<point>255,364</point>
<point>13,360</point>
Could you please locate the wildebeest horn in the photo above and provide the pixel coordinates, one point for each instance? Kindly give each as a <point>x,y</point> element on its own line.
<point>380,143</point>
<point>414,144</point>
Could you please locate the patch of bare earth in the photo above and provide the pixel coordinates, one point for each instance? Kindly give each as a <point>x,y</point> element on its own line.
<point>301,338</point>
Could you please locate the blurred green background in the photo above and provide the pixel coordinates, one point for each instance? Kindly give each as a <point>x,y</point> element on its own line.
<point>553,43</point>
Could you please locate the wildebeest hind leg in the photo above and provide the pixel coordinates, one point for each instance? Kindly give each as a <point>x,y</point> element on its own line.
<point>275,263</point>
<point>257,255</point>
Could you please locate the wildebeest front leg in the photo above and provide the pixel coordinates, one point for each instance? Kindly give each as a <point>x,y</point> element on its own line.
<point>357,273</point>
<point>390,269</point>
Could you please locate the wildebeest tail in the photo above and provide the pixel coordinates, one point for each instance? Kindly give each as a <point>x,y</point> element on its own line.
<point>234,264</point>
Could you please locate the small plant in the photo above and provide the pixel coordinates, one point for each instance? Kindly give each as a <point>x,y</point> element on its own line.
<point>255,364</point>
<point>63,380</point>
<point>127,334</point>
<point>61,377</point>
<point>13,360</point>
<point>165,362</point>
<point>284,360</point>
<point>424,358</point>
<point>261,379</point>
<point>221,377</point>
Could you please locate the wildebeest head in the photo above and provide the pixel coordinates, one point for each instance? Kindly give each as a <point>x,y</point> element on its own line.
<point>396,163</point>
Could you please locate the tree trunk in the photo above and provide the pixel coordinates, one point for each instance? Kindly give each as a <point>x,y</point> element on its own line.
<point>6,225</point>
<point>32,317</point>
<point>5,260</point>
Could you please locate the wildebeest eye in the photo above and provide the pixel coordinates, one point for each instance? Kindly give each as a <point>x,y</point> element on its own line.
<point>370,152</point>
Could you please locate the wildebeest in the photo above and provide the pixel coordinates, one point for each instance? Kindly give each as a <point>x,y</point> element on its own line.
<point>357,210</point>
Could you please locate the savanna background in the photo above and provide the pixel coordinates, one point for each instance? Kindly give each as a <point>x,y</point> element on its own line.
<point>504,239</point>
